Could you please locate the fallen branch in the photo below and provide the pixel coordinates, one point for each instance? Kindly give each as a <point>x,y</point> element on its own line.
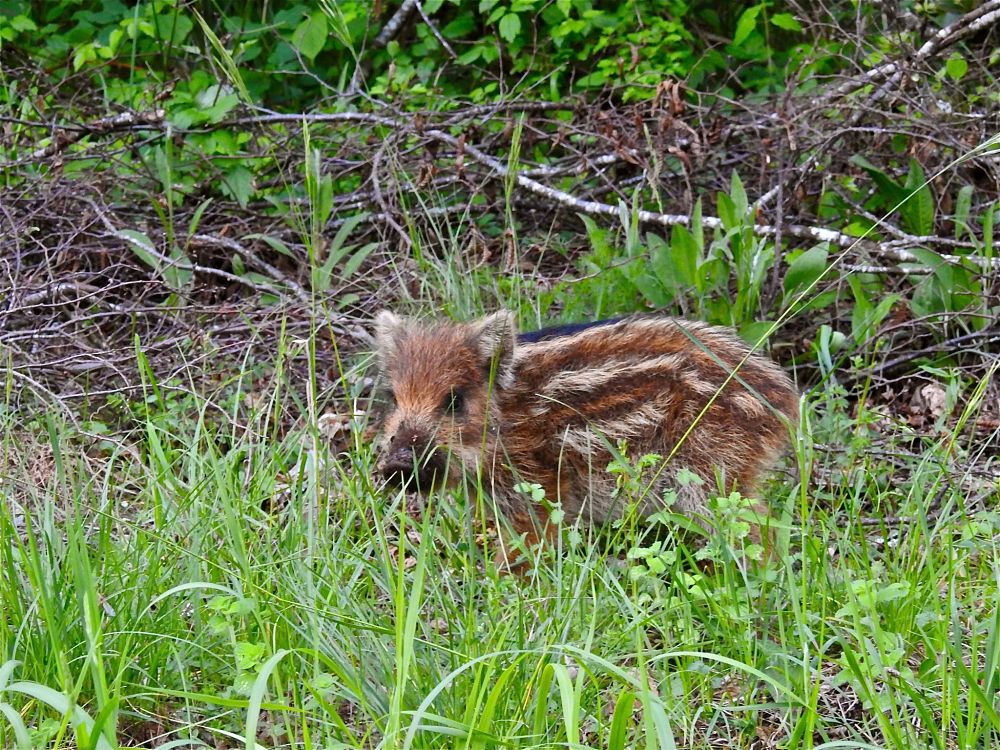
<point>254,260</point>
<point>64,137</point>
<point>985,337</point>
<point>337,324</point>
<point>971,23</point>
<point>434,30</point>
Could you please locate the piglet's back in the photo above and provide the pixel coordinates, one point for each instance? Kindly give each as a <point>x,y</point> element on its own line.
<point>646,380</point>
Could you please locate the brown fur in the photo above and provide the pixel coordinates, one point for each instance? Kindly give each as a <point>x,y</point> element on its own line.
<point>543,410</point>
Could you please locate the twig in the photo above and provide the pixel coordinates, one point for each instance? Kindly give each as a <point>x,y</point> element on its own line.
<point>820,234</point>
<point>435,32</point>
<point>337,323</point>
<point>988,336</point>
<point>184,265</point>
<point>65,137</point>
<point>41,389</point>
<point>380,198</point>
<point>372,217</point>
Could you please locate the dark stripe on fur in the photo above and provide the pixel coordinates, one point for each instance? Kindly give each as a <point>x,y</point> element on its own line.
<point>555,332</point>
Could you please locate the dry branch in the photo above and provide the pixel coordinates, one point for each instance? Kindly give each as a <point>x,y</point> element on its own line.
<point>64,137</point>
<point>963,27</point>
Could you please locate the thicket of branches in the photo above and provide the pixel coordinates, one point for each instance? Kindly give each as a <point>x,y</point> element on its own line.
<point>196,219</point>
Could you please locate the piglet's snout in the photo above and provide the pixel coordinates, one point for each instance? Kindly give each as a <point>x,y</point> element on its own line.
<point>408,460</point>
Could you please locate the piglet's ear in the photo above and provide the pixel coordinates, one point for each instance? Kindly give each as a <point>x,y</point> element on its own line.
<point>388,329</point>
<point>495,336</point>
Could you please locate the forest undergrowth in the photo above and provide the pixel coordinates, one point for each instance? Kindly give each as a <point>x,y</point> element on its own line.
<point>202,206</point>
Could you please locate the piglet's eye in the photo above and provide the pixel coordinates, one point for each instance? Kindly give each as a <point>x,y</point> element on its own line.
<point>454,403</point>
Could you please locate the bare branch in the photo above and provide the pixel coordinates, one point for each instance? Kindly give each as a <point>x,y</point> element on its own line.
<point>64,137</point>
<point>976,20</point>
<point>395,23</point>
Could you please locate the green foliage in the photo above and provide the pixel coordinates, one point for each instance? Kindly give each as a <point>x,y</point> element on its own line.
<point>554,48</point>
<point>719,278</point>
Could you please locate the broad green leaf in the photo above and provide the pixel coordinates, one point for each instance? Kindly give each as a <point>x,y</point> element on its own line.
<point>217,101</point>
<point>249,655</point>
<point>569,703</point>
<point>739,195</point>
<point>746,24</point>
<point>661,262</point>
<point>22,738</point>
<point>646,284</point>
<point>23,23</point>
<point>621,720</point>
<point>237,183</point>
<point>310,35</point>
<point>891,192</point>
<point>956,67</point>
<point>786,21</point>
<point>656,722</point>
<point>541,701</point>
<point>753,333</point>
<point>713,274</point>
<point>510,26</point>
<point>862,307</point>
<point>697,228</point>
<point>806,269</point>
<point>467,58</point>
<point>173,26</point>
<point>78,718</point>
<point>962,206</point>
<point>487,711</point>
<point>257,698</point>
<point>918,211</point>
<point>880,313</point>
<point>322,207</point>
<point>6,670</point>
<point>686,253</point>
<point>273,242</point>
<point>357,258</point>
<point>497,14</point>
<point>85,53</point>
<point>727,211</point>
<point>142,246</point>
<point>460,26</point>
<point>338,245</point>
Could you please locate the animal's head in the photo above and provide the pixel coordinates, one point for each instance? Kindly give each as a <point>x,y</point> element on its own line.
<point>438,382</point>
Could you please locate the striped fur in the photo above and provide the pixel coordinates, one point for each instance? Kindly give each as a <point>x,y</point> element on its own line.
<point>543,406</point>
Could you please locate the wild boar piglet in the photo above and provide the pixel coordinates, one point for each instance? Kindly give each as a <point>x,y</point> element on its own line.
<point>478,402</point>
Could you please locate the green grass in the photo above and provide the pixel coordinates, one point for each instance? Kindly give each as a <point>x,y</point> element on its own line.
<point>201,579</point>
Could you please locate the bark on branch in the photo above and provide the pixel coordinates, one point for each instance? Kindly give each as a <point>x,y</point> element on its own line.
<point>63,138</point>
<point>965,26</point>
